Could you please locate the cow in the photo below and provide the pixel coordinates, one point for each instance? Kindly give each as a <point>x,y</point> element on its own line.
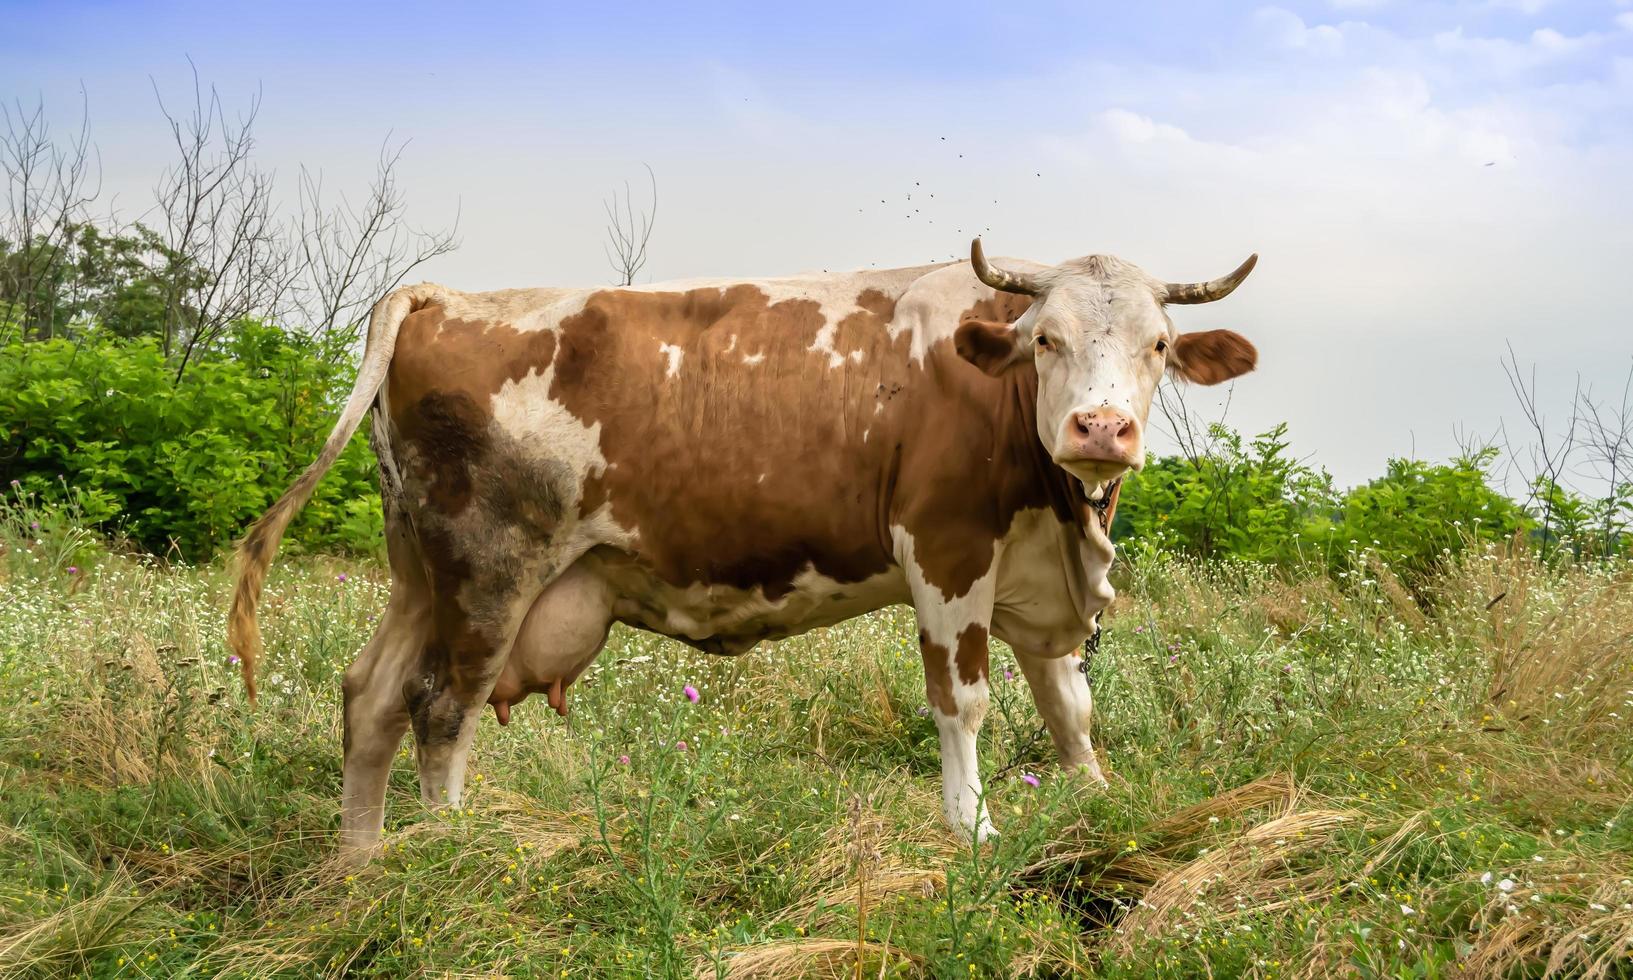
<point>731,461</point>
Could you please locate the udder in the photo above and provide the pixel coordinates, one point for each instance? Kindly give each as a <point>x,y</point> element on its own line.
<point>559,639</point>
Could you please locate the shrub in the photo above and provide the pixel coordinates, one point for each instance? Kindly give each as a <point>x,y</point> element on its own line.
<point>1251,500</point>
<point>185,465</point>
<point>1418,512</point>
<point>1246,500</point>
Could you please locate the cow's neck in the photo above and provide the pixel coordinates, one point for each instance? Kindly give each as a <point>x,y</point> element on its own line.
<point>1065,527</point>
<point>1037,479</point>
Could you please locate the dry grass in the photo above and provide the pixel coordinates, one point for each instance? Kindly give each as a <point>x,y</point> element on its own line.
<point>1296,761</point>
<point>811,959</point>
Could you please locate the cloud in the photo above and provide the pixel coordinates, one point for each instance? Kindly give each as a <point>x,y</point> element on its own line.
<point>1544,46</point>
<point>1625,21</point>
<point>1357,4</point>
<point>1288,30</point>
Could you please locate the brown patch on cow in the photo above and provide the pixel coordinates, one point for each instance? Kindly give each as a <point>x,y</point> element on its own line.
<point>972,654</point>
<point>1208,357</point>
<point>685,454</point>
<point>938,676</point>
<point>859,331</point>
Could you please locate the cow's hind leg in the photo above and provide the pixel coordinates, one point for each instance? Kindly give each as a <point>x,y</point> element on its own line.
<point>1062,695</point>
<point>375,719</point>
<point>471,633</point>
<point>375,716</point>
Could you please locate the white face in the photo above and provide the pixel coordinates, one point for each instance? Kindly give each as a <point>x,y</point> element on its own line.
<point>1099,337</point>
<point>1100,349</point>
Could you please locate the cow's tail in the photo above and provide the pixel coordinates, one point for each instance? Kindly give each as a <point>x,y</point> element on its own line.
<point>256,550</point>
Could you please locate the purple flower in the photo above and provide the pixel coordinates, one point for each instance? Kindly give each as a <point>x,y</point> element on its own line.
<point>73,569</point>
<point>1008,676</point>
<point>623,760</point>
<point>341,576</point>
<point>1173,660</point>
<point>690,692</point>
<point>1139,629</point>
<point>233,659</point>
<point>923,711</point>
<point>17,483</point>
<point>33,525</point>
<point>1030,779</point>
<point>680,746</point>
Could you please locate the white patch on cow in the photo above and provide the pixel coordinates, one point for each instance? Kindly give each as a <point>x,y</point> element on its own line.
<point>753,358</point>
<point>865,433</point>
<point>742,616</point>
<point>942,618</point>
<point>674,353</point>
<point>525,411</point>
<point>878,408</point>
<point>761,479</point>
<point>731,346</point>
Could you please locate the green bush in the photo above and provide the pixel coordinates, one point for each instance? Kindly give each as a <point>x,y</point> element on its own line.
<point>1251,500</point>
<point>1247,500</point>
<point>183,466</point>
<point>1418,512</point>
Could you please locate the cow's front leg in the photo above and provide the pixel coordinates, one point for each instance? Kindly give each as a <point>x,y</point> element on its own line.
<point>1062,695</point>
<point>953,642</point>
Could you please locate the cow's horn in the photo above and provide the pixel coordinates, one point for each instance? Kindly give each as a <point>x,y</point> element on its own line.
<point>1009,282</point>
<point>1207,292</point>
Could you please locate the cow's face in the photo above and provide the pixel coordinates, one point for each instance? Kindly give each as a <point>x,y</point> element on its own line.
<point>1100,340</point>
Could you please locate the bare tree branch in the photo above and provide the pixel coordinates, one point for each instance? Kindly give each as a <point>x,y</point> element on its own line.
<point>1608,442</point>
<point>226,259</point>
<point>347,256</point>
<point>49,188</point>
<point>1548,459</point>
<point>627,238</point>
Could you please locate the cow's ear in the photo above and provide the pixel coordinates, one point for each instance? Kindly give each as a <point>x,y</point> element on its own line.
<point>991,346</point>
<point>1208,357</point>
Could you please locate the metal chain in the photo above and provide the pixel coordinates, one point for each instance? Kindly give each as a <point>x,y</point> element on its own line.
<point>1091,646</point>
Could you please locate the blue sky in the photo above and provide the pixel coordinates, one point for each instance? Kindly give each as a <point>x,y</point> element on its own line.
<point>1425,182</point>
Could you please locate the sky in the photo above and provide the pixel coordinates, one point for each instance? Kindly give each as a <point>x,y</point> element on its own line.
<point>1426,183</point>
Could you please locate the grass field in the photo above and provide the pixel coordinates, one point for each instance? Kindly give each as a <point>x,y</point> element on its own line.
<point>1310,777</point>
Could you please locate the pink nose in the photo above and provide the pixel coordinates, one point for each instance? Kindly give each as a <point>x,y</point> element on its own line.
<point>1103,435</point>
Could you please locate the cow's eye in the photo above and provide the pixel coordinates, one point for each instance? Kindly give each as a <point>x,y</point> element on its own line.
<point>1162,345</point>
<point>1044,343</point>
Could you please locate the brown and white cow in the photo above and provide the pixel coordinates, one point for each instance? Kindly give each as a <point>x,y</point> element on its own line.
<point>726,462</point>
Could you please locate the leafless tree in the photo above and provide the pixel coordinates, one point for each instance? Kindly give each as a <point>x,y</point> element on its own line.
<point>1193,435</point>
<point>627,237</point>
<point>50,186</point>
<point>226,257</point>
<point>1549,455</point>
<point>347,256</point>
<point>1607,442</point>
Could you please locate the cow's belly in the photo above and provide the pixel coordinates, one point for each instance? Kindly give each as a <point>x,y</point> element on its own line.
<point>726,619</point>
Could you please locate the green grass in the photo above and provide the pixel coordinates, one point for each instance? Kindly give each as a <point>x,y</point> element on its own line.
<point>1310,777</point>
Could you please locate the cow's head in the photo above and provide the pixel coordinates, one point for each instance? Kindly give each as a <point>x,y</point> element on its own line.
<point>1100,340</point>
